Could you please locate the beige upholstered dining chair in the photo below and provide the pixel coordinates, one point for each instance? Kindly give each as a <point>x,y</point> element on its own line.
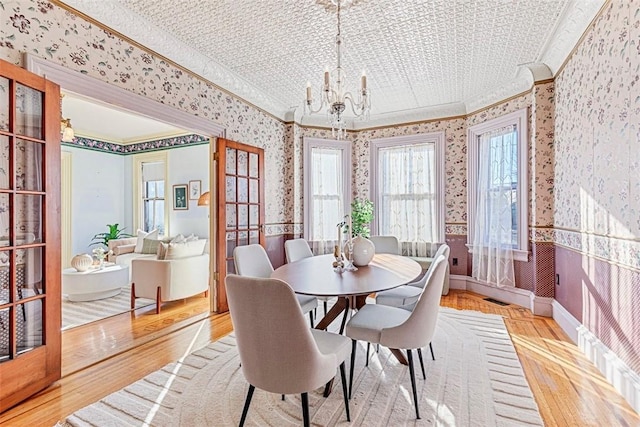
<point>397,328</point>
<point>252,261</point>
<point>278,352</point>
<point>297,249</point>
<point>409,293</point>
<point>386,244</point>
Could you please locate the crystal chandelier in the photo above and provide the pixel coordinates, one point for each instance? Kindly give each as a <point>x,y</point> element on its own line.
<point>335,96</point>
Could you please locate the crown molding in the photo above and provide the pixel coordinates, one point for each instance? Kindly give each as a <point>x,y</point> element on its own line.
<point>573,24</point>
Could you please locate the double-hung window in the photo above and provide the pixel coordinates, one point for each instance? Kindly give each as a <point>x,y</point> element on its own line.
<point>407,189</point>
<point>150,208</point>
<point>327,191</point>
<point>153,199</point>
<point>498,184</point>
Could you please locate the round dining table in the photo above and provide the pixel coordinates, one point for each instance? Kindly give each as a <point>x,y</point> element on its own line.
<point>316,276</point>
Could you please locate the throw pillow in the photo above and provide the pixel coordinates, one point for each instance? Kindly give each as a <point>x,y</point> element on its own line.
<point>150,246</point>
<point>153,234</point>
<point>178,239</point>
<point>185,249</point>
<point>162,250</point>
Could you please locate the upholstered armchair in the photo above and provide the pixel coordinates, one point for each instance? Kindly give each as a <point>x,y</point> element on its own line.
<point>169,280</point>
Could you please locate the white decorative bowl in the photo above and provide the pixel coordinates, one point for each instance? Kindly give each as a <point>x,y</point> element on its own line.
<point>81,262</point>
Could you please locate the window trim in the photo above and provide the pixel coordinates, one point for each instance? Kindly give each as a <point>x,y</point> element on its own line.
<point>438,139</point>
<point>519,119</point>
<point>308,144</point>
<point>138,191</point>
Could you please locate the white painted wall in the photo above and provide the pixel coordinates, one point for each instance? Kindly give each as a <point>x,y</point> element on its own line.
<point>188,164</point>
<point>102,191</point>
<point>97,182</point>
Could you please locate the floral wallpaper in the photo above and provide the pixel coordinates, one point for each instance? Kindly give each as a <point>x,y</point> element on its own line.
<point>597,140</point>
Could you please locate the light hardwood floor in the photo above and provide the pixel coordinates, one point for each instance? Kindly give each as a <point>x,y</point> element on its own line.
<point>567,387</point>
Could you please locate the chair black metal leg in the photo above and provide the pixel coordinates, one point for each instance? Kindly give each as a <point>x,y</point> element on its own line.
<point>283,397</point>
<point>344,391</point>
<point>367,359</point>
<point>325,307</point>
<point>431,348</point>
<point>413,382</point>
<point>344,319</point>
<point>424,376</point>
<point>311,318</point>
<point>305,409</point>
<point>353,362</point>
<point>247,402</point>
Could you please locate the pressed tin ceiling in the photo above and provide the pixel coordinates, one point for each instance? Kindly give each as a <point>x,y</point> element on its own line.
<point>422,57</point>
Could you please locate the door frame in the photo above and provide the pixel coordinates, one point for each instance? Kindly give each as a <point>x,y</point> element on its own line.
<point>84,85</point>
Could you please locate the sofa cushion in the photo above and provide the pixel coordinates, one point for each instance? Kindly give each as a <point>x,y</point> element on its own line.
<point>150,246</point>
<point>153,234</point>
<point>123,249</point>
<point>126,259</point>
<point>184,249</point>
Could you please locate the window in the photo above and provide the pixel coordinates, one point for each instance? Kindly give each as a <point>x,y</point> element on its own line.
<point>498,183</point>
<point>153,202</point>
<point>327,191</point>
<point>150,210</point>
<point>407,189</point>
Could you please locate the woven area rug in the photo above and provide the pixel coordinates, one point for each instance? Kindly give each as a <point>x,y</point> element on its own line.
<point>79,313</point>
<point>476,380</point>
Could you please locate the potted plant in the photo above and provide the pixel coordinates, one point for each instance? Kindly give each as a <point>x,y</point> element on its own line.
<point>361,247</point>
<point>113,233</point>
<point>361,217</point>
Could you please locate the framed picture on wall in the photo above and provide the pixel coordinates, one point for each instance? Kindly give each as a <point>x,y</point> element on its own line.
<point>180,197</point>
<point>194,189</point>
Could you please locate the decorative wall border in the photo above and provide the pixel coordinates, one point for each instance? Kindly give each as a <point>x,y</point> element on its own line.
<point>619,251</point>
<point>139,147</point>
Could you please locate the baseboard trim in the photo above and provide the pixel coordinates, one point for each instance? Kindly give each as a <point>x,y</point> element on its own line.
<point>616,371</point>
<point>567,322</point>
<point>541,306</point>
<point>538,305</point>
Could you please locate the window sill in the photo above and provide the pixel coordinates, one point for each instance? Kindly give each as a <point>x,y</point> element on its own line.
<point>518,254</point>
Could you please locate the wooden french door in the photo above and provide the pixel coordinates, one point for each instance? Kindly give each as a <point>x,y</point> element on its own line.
<point>240,205</point>
<point>29,234</point>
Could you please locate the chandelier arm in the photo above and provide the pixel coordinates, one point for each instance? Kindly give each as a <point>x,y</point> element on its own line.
<point>360,106</point>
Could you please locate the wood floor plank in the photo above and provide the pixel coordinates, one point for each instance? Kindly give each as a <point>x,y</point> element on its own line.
<point>568,388</point>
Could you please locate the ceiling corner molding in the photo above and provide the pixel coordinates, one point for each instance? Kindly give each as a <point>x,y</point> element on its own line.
<point>117,17</point>
<point>575,20</point>
<point>539,71</point>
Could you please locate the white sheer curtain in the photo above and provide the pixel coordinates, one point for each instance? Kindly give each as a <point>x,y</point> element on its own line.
<point>327,200</point>
<point>494,228</point>
<point>407,196</point>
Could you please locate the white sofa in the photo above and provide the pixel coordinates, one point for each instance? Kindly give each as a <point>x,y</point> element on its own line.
<point>169,280</point>
<point>123,252</point>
